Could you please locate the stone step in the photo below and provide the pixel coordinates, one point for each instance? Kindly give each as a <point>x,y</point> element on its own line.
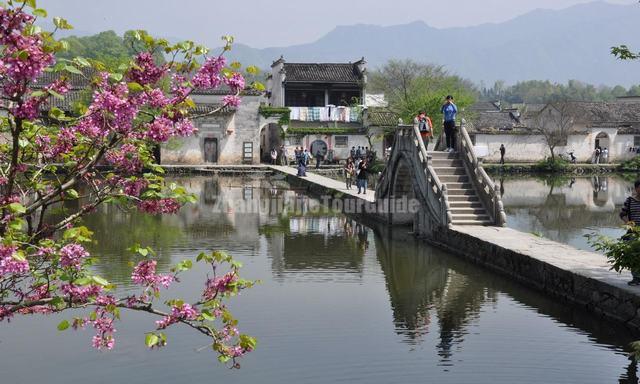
<point>438,163</point>
<point>465,203</point>
<point>442,171</point>
<point>448,179</point>
<point>442,155</point>
<point>471,222</point>
<point>461,192</point>
<point>478,211</point>
<point>457,185</point>
<point>470,216</point>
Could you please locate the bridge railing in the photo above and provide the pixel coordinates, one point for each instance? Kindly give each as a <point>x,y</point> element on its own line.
<point>486,189</point>
<point>437,192</point>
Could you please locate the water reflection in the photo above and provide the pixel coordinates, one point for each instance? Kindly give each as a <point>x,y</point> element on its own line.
<point>564,209</point>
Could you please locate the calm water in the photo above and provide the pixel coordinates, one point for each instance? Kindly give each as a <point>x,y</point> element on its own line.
<point>339,302</point>
<point>566,209</point>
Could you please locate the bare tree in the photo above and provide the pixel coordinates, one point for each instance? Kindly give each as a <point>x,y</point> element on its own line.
<point>554,123</point>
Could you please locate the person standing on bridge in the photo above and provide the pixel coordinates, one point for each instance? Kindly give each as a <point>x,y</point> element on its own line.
<point>630,213</point>
<point>503,150</point>
<point>423,122</point>
<point>449,110</point>
<point>362,178</point>
<point>349,171</point>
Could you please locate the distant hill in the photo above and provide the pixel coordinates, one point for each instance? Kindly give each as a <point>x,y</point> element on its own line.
<point>572,43</point>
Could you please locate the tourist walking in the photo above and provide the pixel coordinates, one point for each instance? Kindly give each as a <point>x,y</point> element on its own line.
<point>605,155</point>
<point>423,122</point>
<point>359,153</point>
<point>630,213</point>
<point>349,171</point>
<point>503,150</point>
<point>318,159</point>
<point>361,178</point>
<point>449,110</point>
<point>353,152</point>
<point>302,164</point>
<point>596,155</point>
<point>284,156</point>
<point>274,156</point>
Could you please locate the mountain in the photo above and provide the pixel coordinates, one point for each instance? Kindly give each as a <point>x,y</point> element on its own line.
<point>557,45</point>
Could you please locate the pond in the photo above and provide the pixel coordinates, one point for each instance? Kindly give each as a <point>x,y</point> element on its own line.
<point>565,209</point>
<point>339,301</point>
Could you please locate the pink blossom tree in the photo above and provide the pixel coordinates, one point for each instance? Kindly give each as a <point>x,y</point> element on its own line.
<point>100,155</point>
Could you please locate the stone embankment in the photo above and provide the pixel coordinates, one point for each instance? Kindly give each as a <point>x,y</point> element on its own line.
<point>575,276</point>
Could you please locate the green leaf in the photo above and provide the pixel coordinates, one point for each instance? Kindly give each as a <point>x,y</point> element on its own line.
<point>100,281</point>
<point>19,256</point>
<point>82,281</point>
<point>61,23</point>
<point>135,87</point>
<point>17,208</point>
<point>55,94</point>
<point>64,324</point>
<point>30,3</point>
<point>151,340</point>
<point>252,70</point>
<point>116,76</point>
<point>72,69</point>
<point>39,12</point>
<point>72,194</point>
<point>82,61</point>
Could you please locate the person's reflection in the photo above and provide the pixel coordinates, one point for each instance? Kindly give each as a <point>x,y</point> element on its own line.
<point>348,228</point>
<point>363,234</point>
<point>573,181</point>
<point>631,375</point>
<point>501,186</point>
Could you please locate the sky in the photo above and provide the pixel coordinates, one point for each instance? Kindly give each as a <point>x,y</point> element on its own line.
<point>261,23</point>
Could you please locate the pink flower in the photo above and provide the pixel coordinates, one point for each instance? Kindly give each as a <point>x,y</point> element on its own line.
<point>71,255</point>
<point>81,294</point>
<point>219,285</point>
<point>208,76</point>
<point>9,264</point>
<point>155,206</point>
<point>146,70</point>
<point>235,82</point>
<point>231,100</point>
<point>144,274</point>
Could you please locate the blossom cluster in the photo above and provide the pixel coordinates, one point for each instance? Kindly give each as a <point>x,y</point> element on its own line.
<point>71,255</point>
<point>9,264</point>
<point>144,274</point>
<point>219,285</point>
<point>182,312</point>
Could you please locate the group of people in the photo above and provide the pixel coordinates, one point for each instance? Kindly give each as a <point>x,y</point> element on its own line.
<point>302,157</point>
<point>358,168</point>
<point>601,155</point>
<point>449,111</point>
<point>280,154</point>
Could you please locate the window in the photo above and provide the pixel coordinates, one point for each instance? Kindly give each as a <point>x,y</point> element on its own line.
<point>247,152</point>
<point>636,141</point>
<point>342,141</point>
<point>295,140</point>
<point>473,139</point>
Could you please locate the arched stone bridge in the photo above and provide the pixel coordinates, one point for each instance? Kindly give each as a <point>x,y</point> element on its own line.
<point>449,188</point>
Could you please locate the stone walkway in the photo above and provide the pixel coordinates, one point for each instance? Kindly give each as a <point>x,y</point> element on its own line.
<point>584,263</point>
<point>326,182</point>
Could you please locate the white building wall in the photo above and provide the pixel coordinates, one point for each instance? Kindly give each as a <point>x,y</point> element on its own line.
<point>231,131</point>
<point>533,148</point>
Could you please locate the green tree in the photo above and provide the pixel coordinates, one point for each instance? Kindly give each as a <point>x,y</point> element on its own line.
<point>411,87</point>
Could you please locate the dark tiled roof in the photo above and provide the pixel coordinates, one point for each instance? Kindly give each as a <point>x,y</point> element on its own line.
<point>75,81</point>
<point>381,117</point>
<point>598,113</point>
<point>224,90</point>
<point>498,120</point>
<point>483,106</point>
<point>206,108</point>
<point>66,103</point>
<point>322,73</point>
